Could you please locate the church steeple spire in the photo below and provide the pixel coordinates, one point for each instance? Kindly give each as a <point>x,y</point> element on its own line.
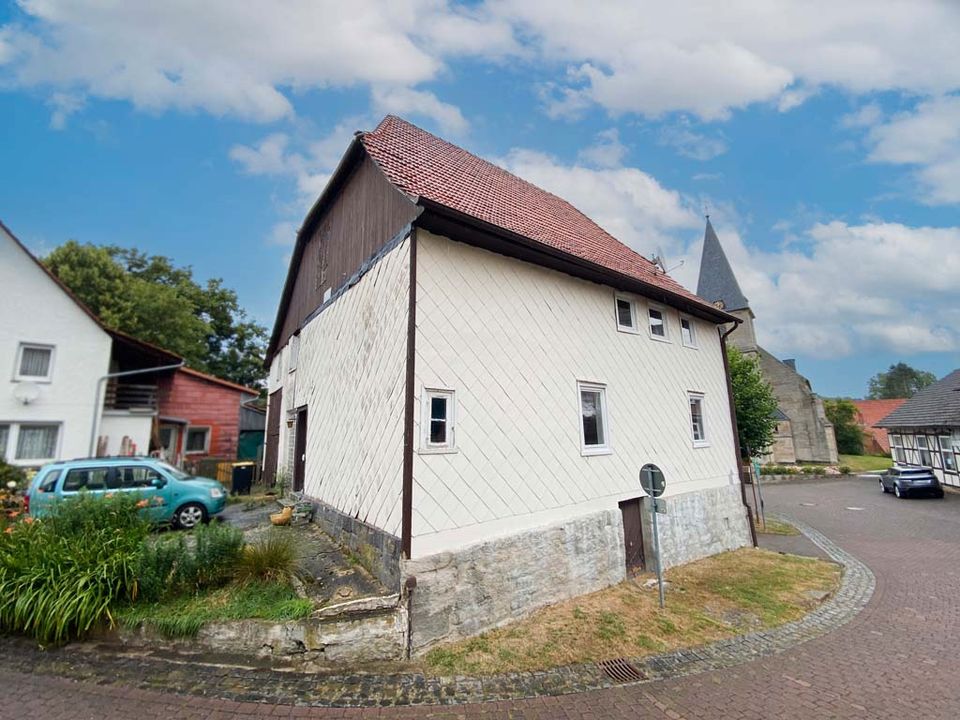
<point>717,282</point>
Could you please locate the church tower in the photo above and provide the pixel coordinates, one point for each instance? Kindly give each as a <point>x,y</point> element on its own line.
<point>719,285</point>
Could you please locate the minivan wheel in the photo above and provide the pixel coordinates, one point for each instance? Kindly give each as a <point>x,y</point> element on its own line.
<point>190,515</point>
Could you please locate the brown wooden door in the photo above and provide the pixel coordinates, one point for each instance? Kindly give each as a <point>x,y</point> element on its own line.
<point>632,534</point>
<point>271,454</point>
<point>300,450</point>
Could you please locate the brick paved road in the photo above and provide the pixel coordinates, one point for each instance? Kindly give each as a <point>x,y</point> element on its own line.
<point>897,659</point>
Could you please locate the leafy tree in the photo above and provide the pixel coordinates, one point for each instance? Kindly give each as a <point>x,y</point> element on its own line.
<point>843,414</point>
<point>755,403</point>
<point>148,297</point>
<point>900,381</point>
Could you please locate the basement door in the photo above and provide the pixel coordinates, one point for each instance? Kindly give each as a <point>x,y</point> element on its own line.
<point>632,534</point>
<point>300,450</point>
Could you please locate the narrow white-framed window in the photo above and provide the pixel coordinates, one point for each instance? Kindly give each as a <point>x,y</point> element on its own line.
<point>37,442</point>
<point>657,320</point>
<point>438,418</point>
<point>688,332</point>
<point>197,440</point>
<point>626,310</point>
<point>594,422</point>
<point>4,440</point>
<point>946,451</point>
<point>698,427</point>
<point>34,362</point>
<point>294,353</point>
<point>925,458</point>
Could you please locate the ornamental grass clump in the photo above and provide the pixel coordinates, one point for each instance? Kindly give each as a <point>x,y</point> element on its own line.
<point>60,576</point>
<point>273,557</point>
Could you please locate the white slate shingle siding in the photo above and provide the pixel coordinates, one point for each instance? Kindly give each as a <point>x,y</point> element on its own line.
<point>512,339</point>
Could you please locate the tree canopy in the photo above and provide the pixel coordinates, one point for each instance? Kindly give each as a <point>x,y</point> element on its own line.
<point>755,403</point>
<point>147,296</point>
<point>899,381</point>
<point>843,414</point>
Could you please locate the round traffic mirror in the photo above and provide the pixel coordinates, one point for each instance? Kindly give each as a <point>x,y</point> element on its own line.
<point>652,480</point>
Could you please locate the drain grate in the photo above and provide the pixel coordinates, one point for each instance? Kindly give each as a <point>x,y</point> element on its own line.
<point>620,670</point>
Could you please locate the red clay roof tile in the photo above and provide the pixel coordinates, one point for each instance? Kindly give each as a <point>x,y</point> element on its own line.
<point>423,165</point>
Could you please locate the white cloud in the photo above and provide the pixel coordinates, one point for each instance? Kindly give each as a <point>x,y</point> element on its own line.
<point>283,233</point>
<point>606,152</point>
<point>710,58</point>
<point>64,105</point>
<point>690,143</point>
<point>409,102</point>
<point>849,289</point>
<point>866,116</point>
<point>242,60</point>
<point>927,138</point>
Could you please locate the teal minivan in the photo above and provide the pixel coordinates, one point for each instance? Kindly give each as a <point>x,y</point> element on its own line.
<point>171,496</point>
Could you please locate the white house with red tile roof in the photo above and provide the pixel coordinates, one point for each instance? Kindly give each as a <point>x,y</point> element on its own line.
<point>467,374</point>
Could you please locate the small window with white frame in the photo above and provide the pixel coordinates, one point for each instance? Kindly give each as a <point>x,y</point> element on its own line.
<point>34,362</point>
<point>896,449</point>
<point>926,459</point>
<point>37,442</point>
<point>294,353</point>
<point>946,451</point>
<point>688,332</point>
<point>698,427</point>
<point>594,424</point>
<point>657,318</point>
<point>626,314</point>
<point>438,421</point>
<point>197,440</point>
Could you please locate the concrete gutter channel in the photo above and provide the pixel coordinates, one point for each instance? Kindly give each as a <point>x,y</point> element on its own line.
<point>192,668</point>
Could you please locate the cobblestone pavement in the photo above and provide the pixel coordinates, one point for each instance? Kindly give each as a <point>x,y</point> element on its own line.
<point>895,659</point>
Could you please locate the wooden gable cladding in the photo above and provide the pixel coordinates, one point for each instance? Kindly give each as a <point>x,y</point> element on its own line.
<point>365,215</point>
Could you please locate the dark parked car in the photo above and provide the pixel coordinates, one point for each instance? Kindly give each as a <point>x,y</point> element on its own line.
<point>904,481</point>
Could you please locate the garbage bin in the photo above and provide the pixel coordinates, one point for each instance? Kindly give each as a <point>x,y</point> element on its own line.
<point>241,478</point>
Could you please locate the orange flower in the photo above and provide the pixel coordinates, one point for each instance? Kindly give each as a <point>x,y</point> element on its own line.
<point>28,520</point>
<point>9,530</point>
<point>143,503</point>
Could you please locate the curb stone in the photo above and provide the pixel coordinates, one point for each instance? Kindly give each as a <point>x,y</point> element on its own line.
<point>248,684</point>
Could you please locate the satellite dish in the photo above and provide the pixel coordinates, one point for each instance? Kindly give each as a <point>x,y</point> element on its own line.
<point>26,392</point>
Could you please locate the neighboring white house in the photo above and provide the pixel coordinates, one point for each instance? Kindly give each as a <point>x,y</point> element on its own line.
<point>925,430</point>
<point>467,374</point>
<point>56,352</point>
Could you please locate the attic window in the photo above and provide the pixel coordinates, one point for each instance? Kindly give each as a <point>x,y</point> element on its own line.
<point>658,323</point>
<point>688,332</point>
<point>34,362</point>
<point>626,314</point>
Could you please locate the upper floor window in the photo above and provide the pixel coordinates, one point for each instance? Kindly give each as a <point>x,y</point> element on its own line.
<point>594,433</point>
<point>294,353</point>
<point>34,362</point>
<point>946,450</point>
<point>925,457</point>
<point>688,332</point>
<point>437,421</point>
<point>658,323</point>
<point>626,314</point>
<point>698,428</point>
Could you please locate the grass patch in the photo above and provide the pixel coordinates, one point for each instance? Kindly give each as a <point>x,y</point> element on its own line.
<point>183,616</point>
<point>865,463</point>
<point>777,527</point>
<point>712,599</point>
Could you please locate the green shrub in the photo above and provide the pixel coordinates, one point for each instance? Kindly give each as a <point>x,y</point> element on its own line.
<point>188,562</point>
<point>811,470</point>
<point>845,469</point>
<point>273,557</point>
<point>60,576</point>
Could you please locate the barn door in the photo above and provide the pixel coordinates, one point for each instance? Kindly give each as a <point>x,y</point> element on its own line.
<point>271,454</point>
<point>300,450</point>
<point>632,534</point>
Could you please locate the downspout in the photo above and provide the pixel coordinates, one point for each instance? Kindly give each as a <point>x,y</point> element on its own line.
<point>736,431</point>
<point>95,426</point>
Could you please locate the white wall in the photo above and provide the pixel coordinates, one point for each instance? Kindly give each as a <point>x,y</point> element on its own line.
<point>350,374</point>
<point>118,424</point>
<point>512,339</point>
<point>34,309</point>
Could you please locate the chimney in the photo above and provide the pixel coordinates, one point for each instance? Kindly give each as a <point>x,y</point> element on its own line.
<point>791,362</point>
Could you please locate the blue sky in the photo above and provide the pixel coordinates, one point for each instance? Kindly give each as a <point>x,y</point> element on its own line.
<point>823,137</point>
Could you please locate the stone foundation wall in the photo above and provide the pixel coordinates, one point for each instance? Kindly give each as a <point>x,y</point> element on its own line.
<point>378,551</point>
<point>697,524</point>
<point>487,584</point>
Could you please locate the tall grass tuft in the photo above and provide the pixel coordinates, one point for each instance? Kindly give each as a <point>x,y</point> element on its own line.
<point>187,563</point>
<point>273,557</point>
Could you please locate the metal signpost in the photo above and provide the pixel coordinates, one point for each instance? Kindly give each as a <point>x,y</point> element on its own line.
<point>653,484</point>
